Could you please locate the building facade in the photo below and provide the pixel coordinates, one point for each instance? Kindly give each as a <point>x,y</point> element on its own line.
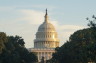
<point>46,40</point>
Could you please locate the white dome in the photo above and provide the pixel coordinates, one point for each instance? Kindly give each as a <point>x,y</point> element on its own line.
<point>46,35</point>
<point>46,27</point>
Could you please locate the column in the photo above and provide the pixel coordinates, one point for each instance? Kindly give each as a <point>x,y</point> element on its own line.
<point>45,44</point>
<point>40,44</point>
<point>38,55</point>
<point>37,45</point>
<point>46,55</point>
<point>51,54</point>
<point>49,44</point>
<point>41,54</point>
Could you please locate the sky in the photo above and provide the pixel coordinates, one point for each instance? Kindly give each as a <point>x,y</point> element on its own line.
<point>23,17</point>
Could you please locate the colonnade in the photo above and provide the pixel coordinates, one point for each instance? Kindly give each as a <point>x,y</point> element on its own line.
<point>46,44</point>
<point>46,55</point>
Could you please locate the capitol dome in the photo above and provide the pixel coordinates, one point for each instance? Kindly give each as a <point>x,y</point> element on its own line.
<point>46,26</point>
<point>46,36</point>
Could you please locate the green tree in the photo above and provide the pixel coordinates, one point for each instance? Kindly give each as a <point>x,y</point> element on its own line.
<point>14,51</point>
<point>3,40</point>
<point>81,47</point>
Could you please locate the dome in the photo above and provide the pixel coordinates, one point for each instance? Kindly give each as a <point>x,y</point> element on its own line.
<point>46,36</point>
<point>47,27</point>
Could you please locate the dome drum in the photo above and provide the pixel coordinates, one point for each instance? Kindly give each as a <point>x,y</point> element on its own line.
<point>46,44</point>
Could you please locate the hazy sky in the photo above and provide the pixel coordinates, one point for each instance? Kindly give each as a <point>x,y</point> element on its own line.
<point>23,17</point>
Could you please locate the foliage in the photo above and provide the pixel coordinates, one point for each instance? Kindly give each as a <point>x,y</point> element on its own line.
<point>81,47</point>
<point>3,40</point>
<point>14,50</point>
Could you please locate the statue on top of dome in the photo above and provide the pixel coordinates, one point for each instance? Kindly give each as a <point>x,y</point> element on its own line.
<point>46,16</point>
<point>46,11</point>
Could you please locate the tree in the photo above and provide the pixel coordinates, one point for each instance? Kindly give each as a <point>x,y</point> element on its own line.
<point>14,51</point>
<point>92,47</point>
<point>81,47</point>
<point>3,40</point>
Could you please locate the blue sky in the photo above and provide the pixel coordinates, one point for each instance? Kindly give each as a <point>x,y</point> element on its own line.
<point>22,17</point>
